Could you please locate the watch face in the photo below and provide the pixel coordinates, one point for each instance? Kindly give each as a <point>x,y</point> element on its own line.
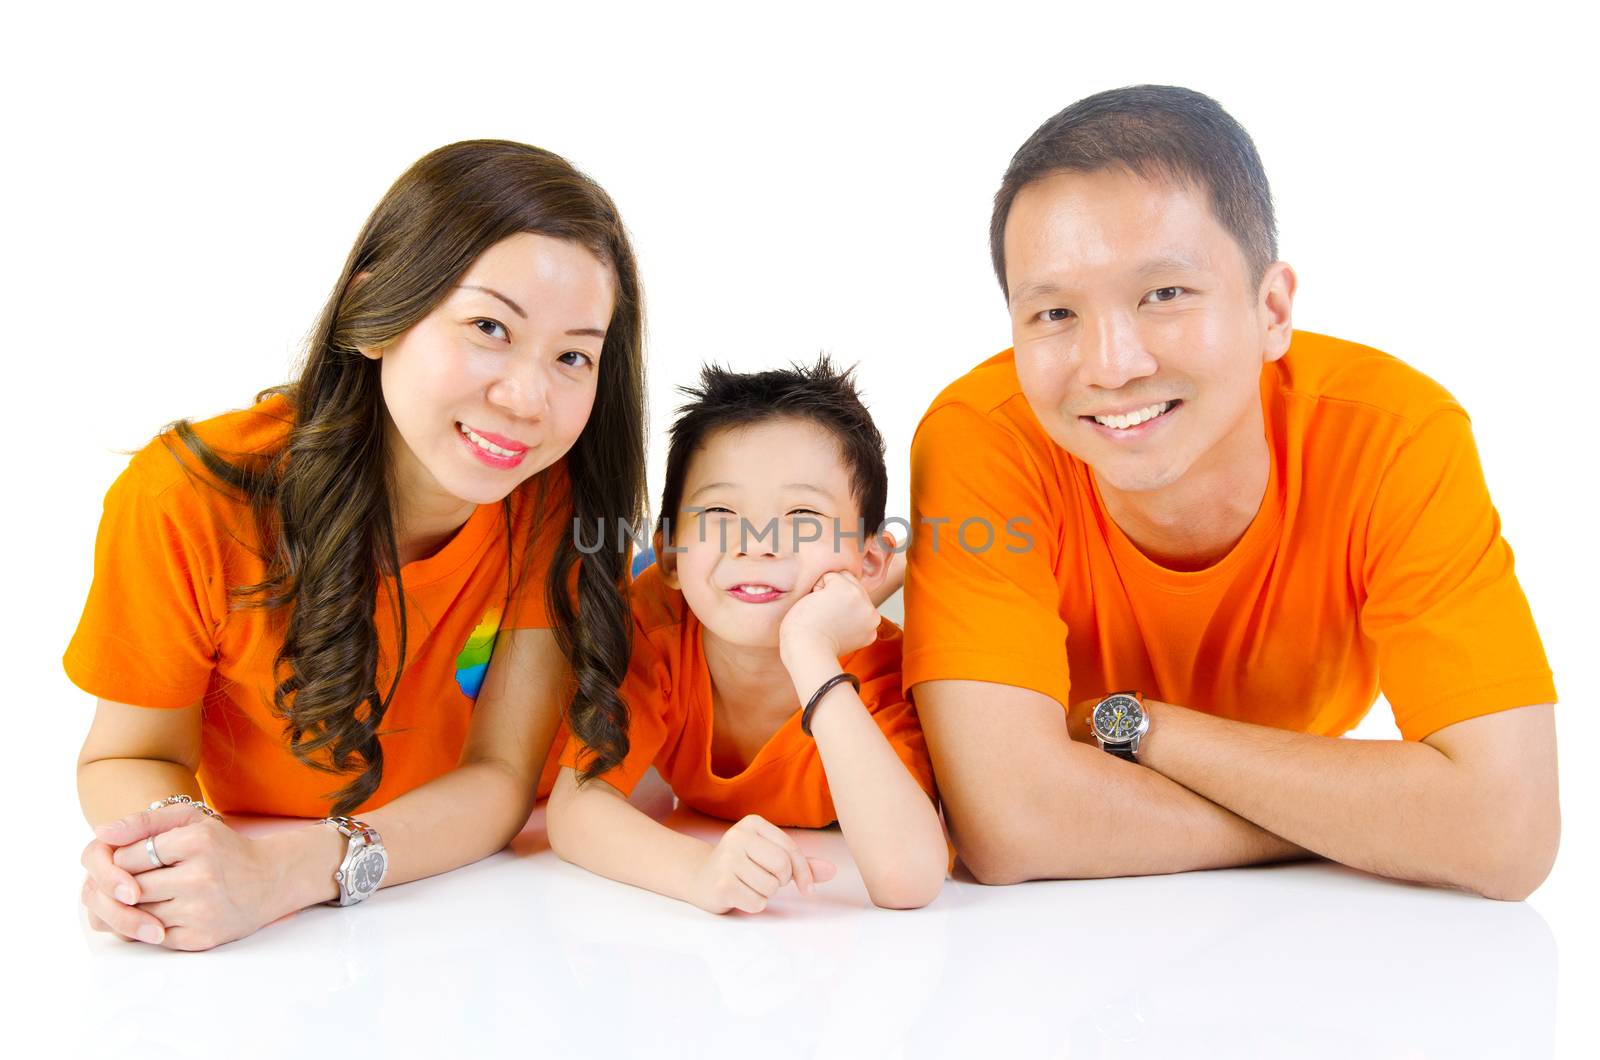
<point>366,872</point>
<point>1118,719</point>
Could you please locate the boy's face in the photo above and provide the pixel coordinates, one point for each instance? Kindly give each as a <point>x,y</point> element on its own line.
<point>766,511</point>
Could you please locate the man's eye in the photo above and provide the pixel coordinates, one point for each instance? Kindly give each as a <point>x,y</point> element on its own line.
<point>1164,294</point>
<point>575,353</point>
<point>492,328</point>
<point>1055,315</point>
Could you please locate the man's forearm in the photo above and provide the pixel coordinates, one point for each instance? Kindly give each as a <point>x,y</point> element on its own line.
<point>1081,813</point>
<point>1401,809</point>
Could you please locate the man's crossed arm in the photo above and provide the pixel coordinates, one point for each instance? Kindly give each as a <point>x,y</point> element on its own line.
<point>1472,806</point>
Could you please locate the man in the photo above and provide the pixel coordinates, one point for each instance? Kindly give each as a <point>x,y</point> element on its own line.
<point>1164,491</point>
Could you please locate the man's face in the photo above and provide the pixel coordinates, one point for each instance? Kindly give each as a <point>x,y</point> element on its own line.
<point>1139,335</point>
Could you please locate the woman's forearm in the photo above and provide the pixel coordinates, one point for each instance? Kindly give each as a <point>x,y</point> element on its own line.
<point>111,788</point>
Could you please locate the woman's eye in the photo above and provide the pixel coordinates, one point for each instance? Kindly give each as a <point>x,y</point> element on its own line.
<point>1055,315</point>
<point>575,353</point>
<point>1164,294</point>
<point>492,328</point>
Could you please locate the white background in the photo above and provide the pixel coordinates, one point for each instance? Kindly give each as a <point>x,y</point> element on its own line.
<point>180,187</point>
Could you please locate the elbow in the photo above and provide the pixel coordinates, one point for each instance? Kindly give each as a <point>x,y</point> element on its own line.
<point>1513,857</point>
<point>994,848</point>
<point>909,888</point>
<point>559,824</point>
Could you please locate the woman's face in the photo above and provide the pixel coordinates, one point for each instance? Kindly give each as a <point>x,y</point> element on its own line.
<point>496,383</point>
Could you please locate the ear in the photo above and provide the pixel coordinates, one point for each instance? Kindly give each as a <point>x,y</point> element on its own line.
<point>1276,304</point>
<point>666,560</point>
<point>882,568</point>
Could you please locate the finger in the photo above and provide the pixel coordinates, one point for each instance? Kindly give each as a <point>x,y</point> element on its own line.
<point>146,855</point>
<point>822,869</point>
<point>747,899</point>
<point>123,920</point>
<point>800,871</point>
<point>107,876</point>
<point>771,857</point>
<point>163,886</point>
<point>137,827</point>
<point>756,878</point>
<point>169,848</point>
<point>169,912</point>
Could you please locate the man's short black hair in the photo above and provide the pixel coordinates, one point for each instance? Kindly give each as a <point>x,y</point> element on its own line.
<point>818,393</point>
<point>1153,131</point>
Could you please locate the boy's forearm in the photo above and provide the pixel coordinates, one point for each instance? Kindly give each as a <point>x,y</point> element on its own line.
<point>601,831</point>
<point>889,823</point>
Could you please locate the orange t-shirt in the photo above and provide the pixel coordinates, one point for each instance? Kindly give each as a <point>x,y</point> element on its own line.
<point>668,693</point>
<point>1375,562</point>
<point>159,629</point>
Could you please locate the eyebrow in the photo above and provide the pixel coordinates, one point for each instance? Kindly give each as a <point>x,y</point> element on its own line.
<point>1171,263</point>
<point>490,290</point>
<point>598,333</point>
<point>787,485</point>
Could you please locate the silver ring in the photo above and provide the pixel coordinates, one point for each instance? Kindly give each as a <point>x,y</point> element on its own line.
<point>150,852</point>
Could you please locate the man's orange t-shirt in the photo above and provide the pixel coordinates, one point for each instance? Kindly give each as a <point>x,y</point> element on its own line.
<point>1375,562</point>
<point>159,628</point>
<point>668,693</point>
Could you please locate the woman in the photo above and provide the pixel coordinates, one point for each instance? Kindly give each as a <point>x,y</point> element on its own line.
<point>360,596</point>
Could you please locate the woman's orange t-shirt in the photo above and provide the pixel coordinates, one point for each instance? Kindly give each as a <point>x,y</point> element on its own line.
<point>1374,563</point>
<point>668,693</point>
<point>159,629</point>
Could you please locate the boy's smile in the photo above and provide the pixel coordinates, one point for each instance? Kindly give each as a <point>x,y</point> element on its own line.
<point>763,507</point>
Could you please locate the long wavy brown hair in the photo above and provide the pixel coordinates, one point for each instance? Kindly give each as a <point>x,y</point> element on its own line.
<point>323,503</point>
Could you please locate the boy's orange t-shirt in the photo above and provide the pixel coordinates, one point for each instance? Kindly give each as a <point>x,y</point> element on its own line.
<point>668,693</point>
<point>1375,562</point>
<point>159,629</point>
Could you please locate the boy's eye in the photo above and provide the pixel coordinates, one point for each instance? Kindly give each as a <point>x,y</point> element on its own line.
<point>805,511</point>
<point>576,353</point>
<point>490,328</point>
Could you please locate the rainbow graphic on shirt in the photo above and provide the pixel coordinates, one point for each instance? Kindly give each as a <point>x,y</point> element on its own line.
<point>473,662</point>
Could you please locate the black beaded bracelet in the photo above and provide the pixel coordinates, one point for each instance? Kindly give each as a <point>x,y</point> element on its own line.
<point>816,697</point>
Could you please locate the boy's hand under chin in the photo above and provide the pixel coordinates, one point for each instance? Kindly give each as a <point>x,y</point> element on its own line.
<point>837,615</point>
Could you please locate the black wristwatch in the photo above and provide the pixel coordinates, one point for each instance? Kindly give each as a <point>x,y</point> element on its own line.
<point>1119,722</point>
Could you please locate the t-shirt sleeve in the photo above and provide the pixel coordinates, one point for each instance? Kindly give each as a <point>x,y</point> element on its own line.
<point>981,596</point>
<point>1454,634</point>
<point>148,632</point>
<point>652,717</point>
<point>547,520</point>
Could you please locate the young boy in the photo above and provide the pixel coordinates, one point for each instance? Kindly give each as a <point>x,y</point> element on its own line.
<point>760,606</point>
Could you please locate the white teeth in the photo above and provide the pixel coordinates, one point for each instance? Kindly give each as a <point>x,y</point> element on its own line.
<point>755,590</point>
<point>483,443</point>
<point>1133,419</point>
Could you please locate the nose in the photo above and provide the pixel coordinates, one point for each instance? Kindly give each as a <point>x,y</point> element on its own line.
<point>1111,353</point>
<point>523,390</point>
<point>757,539</point>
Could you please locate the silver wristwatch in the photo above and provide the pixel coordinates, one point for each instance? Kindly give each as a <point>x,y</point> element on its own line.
<point>1119,722</point>
<point>365,861</point>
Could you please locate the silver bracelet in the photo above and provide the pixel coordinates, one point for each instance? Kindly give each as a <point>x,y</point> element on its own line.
<point>184,800</point>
